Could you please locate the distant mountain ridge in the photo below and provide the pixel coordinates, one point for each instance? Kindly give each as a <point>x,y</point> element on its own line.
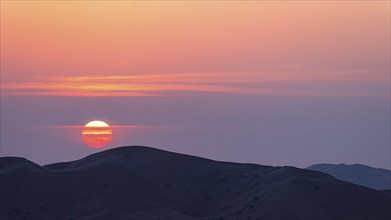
<point>376,178</point>
<point>145,183</point>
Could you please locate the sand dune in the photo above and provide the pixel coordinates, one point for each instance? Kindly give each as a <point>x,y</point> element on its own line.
<point>375,178</point>
<point>146,183</point>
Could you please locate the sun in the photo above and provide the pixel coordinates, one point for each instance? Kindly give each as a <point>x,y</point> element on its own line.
<point>97,134</point>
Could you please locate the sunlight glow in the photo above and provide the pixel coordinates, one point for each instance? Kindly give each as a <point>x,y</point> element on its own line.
<point>97,124</point>
<point>97,134</point>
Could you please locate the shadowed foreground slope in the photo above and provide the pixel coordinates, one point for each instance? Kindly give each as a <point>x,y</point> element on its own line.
<point>146,183</point>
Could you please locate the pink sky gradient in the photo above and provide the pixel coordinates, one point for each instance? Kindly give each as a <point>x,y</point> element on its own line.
<point>270,82</point>
<point>80,38</point>
<point>157,84</point>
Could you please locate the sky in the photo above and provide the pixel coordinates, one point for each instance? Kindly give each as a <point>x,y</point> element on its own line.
<point>268,82</point>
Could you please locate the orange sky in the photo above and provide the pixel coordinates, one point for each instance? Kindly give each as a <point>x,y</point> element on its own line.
<point>192,46</point>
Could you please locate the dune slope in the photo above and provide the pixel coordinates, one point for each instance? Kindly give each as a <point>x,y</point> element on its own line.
<point>363,175</point>
<point>146,183</point>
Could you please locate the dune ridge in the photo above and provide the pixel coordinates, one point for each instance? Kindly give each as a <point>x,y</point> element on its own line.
<point>376,178</point>
<point>139,182</point>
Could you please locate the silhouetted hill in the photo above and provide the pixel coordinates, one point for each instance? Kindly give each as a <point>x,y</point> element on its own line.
<point>147,183</point>
<point>388,192</point>
<point>363,175</point>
